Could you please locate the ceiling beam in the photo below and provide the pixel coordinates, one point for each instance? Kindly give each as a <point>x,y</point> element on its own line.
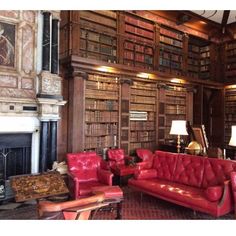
<point>225,18</point>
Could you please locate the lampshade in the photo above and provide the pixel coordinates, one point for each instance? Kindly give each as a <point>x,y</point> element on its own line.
<point>178,127</point>
<point>232,141</point>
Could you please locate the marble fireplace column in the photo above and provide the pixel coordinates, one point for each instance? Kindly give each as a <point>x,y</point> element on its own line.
<point>54,47</point>
<point>43,149</point>
<point>52,153</point>
<point>46,41</point>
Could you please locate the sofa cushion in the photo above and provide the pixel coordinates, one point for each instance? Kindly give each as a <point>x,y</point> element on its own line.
<point>165,163</point>
<point>213,193</point>
<point>216,171</point>
<point>146,174</point>
<point>175,192</point>
<point>189,170</point>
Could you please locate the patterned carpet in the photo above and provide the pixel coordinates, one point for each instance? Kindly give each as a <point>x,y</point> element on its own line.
<point>132,209</point>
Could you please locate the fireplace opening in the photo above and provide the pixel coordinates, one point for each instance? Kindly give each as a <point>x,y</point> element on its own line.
<point>15,158</point>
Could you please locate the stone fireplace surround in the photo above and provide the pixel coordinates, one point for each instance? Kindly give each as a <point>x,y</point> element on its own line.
<point>9,124</point>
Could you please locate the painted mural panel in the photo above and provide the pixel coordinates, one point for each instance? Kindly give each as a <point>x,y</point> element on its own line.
<point>7,44</point>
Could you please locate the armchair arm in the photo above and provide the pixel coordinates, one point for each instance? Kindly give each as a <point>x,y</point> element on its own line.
<point>233,181</point>
<point>73,185</point>
<point>146,174</point>
<point>144,165</point>
<point>105,176</point>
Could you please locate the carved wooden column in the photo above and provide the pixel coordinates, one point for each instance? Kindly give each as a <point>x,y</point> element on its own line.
<point>46,41</point>
<point>54,47</point>
<point>76,112</point>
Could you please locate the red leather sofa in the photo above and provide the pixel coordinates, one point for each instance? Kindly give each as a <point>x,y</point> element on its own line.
<point>85,171</point>
<point>202,184</point>
<point>233,182</point>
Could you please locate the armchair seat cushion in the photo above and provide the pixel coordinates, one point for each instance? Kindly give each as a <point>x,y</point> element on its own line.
<point>86,187</point>
<point>111,192</point>
<point>123,170</point>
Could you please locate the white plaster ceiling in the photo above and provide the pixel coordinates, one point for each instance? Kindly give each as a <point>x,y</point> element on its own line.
<point>217,15</point>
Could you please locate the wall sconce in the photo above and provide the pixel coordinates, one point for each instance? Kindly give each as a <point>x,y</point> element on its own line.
<point>178,127</point>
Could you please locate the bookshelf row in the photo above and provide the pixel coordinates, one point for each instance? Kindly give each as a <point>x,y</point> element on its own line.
<point>141,43</point>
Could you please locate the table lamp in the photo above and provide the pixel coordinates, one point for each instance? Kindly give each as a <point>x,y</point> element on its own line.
<point>232,141</point>
<point>178,127</point>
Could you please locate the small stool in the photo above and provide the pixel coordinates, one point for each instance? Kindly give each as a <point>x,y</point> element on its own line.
<point>113,194</point>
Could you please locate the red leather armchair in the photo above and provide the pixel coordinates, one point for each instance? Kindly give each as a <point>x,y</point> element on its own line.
<point>85,172</point>
<point>233,183</point>
<point>117,163</point>
<point>147,158</point>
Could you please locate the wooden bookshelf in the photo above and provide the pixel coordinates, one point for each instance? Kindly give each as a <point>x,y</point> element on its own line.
<point>143,123</point>
<point>101,113</point>
<point>230,112</point>
<point>175,103</point>
<point>230,67</point>
<point>138,45</point>
<point>98,39</point>
<point>205,63</point>
<point>171,51</point>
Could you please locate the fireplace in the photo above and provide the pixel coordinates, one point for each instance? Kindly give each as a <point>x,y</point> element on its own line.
<point>19,149</point>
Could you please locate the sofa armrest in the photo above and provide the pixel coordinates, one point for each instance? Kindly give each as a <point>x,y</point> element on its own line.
<point>226,200</point>
<point>233,181</point>
<point>146,174</point>
<point>105,176</point>
<point>105,165</point>
<point>73,185</point>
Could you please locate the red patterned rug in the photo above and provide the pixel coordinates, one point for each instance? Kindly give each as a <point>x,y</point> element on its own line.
<point>150,208</point>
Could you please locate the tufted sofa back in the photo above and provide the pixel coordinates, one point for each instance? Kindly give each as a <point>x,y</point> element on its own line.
<point>189,170</point>
<point>216,171</point>
<point>165,163</point>
<point>116,155</point>
<point>84,165</point>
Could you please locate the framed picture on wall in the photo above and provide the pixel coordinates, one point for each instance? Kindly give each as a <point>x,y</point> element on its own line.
<point>7,44</point>
<point>200,135</point>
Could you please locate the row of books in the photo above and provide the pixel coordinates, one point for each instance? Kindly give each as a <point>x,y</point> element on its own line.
<point>111,86</point>
<point>101,129</point>
<point>205,61</point>
<point>142,125</point>
<point>138,64</point>
<point>142,107</point>
<point>138,57</point>
<point>104,141</point>
<point>230,73</point>
<point>193,68</point>
<point>170,56</point>
<point>205,49</point>
<point>138,47</point>
<point>142,136</point>
<point>139,22</point>
<point>171,117</point>
<point>143,99</point>
<point>204,68</point>
<point>170,48</point>
<point>101,116</point>
<point>230,116</point>
<point>93,104</point>
<point>171,34</point>
<point>139,39</point>
<point>230,98</point>
<point>193,74</point>
<point>100,94</point>
<point>104,79</point>
<point>205,54</point>
<point>175,100</point>
<point>144,86</point>
<point>97,56</point>
<point>139,31</point>
<point>231,66</point>
<point>193,48</point>
<point>145,145</point>
<point>175,109</point>
<point>204,75</point>
<point>169,63</point>
<point>193,62</point>
<point>143,92</point>
<point>231,52</point>
<point>171,41</point>
<point>230,46</point>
